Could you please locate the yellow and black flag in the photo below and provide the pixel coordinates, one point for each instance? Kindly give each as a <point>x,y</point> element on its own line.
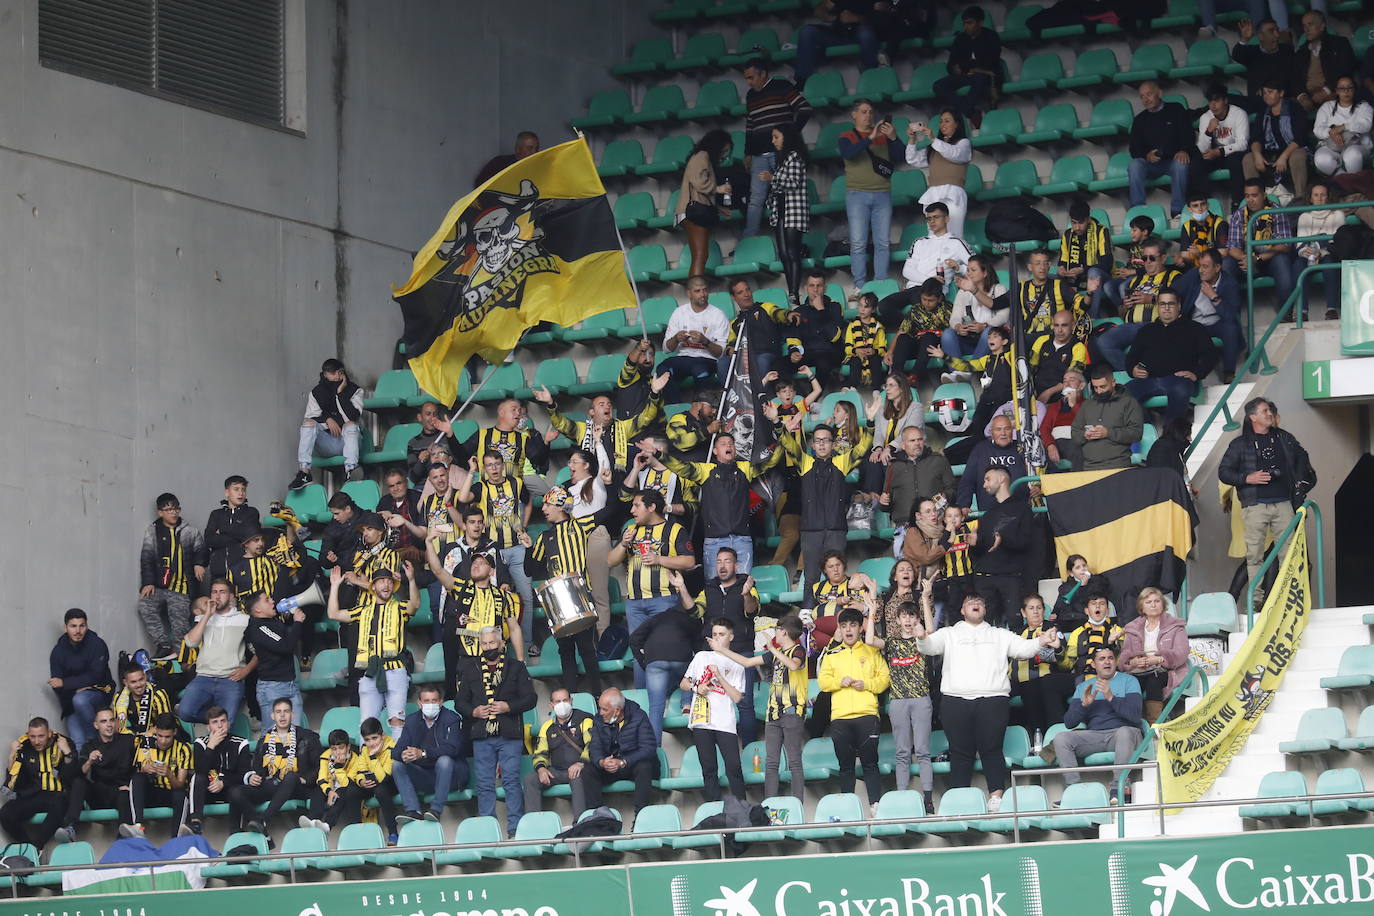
<point>536,242</point>
<point>1134,525</point>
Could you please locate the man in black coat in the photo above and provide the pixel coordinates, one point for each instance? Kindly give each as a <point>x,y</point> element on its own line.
<point>623,747</point>
<point>494,692</point>
<point>1169,356</point>
<point>1162,142</point>
<point>1002,549</point>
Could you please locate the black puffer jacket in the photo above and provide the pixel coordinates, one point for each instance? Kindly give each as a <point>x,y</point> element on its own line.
<point>1241,459</point>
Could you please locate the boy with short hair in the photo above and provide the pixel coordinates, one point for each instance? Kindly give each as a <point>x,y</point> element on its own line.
<point>1087,639</point>
<point>1201,228</point>
<point>854,674</point>
<point>1141,229</point>
<point>717,684</point>
<point>337,801</point>
<point>909,689</point>
<point>865,344</point>
<point>372,775</point>
<point>1085,252</point>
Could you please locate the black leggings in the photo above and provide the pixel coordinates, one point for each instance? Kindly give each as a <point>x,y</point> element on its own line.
<point>892,309</point>
<point>857,737</point>
<point>904,347</point>
<point>976,727</point>
<point>790,252</point>
<point>707,740</point>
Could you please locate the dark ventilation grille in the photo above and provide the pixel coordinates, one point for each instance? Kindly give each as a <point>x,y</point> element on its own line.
<point>226,56</point>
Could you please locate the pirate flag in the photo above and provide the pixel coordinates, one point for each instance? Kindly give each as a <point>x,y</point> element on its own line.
<point>536,242</point>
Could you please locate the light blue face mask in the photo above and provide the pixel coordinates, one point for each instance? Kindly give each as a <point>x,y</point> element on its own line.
<point>1199,217</point>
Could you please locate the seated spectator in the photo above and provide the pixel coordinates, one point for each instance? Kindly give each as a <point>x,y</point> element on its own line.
<point>998,450</point>
<point>623,747</point>
<point>1105,427</point>
<point>219,760</point>
<point>330,426</point>
<point>869,159</point>
<point>759,322</point>
<point>1161,144</point>
<point>171,567</point>
<point>697,332</point>
<point>837,22</point>
<point>1070,605</point>
<point>854,673</point>
<point>1213,300</point>
<point>664,646</point>
<point>1140,294</point>
<point>1269,58</point>
<point>651,549</point>
<point>562,752</point>
<point>1328,58</point>
<point>1040,682</point>
<point>138,702</point>
<point>274,638</point>
<point>335,803</point>
<point>865,345</point>
<point>283,756</point>
<point>1108,705</point>
<point>162,776</point>
<point>817,338</point>
<point>994,376</point>
<point>1042,296</point>
<point>1002,547</point>
<point>1170,356</point>
<point>900,411</point>
<point>1278,144</point>
<point>1310,223</point>
<point>717,686</point>
<point>920,330</point>
<point>909,703</point>
<point>980,305</point>
<point>913,471</point>
<point>1200,230</point>
<point>1053,355</point>
<point>373,779</point>
<point>946,158</point>
<point>699,197</point>
<point>418,450</point>
<point>229,525</point>
<point>1155,651</point>
<point>1223,139</point>
<point>1085,253</point>
<point>526,144</point>
<point>79,673</point>
<point>1056,430</point>
<point>1141,230</point>
<point>939,254</point>
<point>430,757</point>
<point>222,662</point>
<point>494,692</point>
<point>105,767</point>
<point>37,774</point>
<point>1096,632</point>
<point>975,61</point>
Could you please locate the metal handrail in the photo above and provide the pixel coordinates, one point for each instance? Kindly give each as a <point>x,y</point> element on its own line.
<point>1178,693</point>
<point>1273,554</point>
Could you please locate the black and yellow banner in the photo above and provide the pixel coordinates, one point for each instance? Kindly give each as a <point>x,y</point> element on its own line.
<point>1134,525</point>
<point>1195,748</point>
<point>537,242</point>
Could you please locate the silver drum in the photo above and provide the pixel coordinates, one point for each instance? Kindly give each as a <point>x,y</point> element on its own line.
<point>568,603</point>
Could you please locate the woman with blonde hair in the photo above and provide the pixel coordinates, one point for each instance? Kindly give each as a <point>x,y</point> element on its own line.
<point>1155,650</point>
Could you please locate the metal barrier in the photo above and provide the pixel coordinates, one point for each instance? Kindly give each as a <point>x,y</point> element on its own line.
<point>1308,506</point>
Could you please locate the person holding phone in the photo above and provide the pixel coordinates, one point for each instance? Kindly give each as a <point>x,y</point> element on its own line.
<point>1106,425</point>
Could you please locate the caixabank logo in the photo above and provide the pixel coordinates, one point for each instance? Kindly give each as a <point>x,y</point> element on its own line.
<point>1241,883</point>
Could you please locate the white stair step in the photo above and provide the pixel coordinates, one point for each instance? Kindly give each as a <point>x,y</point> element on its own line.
<point>1353,615</point>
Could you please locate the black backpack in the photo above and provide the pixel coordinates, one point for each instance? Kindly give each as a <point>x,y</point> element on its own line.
<point>1353,243</point>
<point>1017,221</point>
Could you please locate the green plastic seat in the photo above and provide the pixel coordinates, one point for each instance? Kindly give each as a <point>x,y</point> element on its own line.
<point>432,670</point>
<point>761,41</point>
<point>657,311</point>
<point>1091,68</point>
<point>365,493</point>
<point>236,869</point>
<point>702,49</point>
<point>1212,614</point>
<point>1180,13</point>
<point>661,104</point>
<point>649,55</point>
<point>704,810</point>
<point>689,771</point>
<point>828,141</point>
<point>328,670</point>
<point>838,806</point>
<point>364,838</point>
<point>715,100</point>
<point>538,830</point>
<point>1013,179</point>
<point>596,327</point>
<point>78,853</point>
<point>879,569</point>
<point>907,187</point>
<point>714,259</point>
<point>825,88</point>
<point>557,375</point>
<point>507,380</point>
<point>602,373</point>
<point>1279,784</point>
<point>1339,782</point>
<point>679,11</point>
<point>819,760</point>
<point>647,262</point>
<point>1154,212</point>
<point>1362,739</point>
<point>394,387</point>
<point>1356,669</point>
<point>413,845</point>
<point>310,502</point>
<point>1030,800</point>
<point>1109,118</point>
<point>899,805</point>
<point>754,254</point>
<point>1205,58</point>
<point>606,109</point>
<point>834,198</point>
<point>348,718</point>
<point>1079,795</point>
<point>1068,174</point>
<point>651,819</point>
<point>1319,730</point>
<point>1039,72</point>
<point>670,156</point>
<point>621,157</point>
<point>770,581</point>
<point>633,211</point>
<point>922,84</point>
<point>1053,122</point>
<point>1149,62</point>
<point>1117,175</point>
<point>878,85</point>
<point>305,840</point>
<point>788,809</point>
<point>667,219</point>
<point>1001,125</point>
<point>470,831</point>
<point>969,803</point>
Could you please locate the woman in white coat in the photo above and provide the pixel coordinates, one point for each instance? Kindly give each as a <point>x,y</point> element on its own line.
<point>1342,130</point>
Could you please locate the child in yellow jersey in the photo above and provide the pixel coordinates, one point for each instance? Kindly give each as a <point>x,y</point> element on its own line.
<point>1087,639</point>
<point>372,775</point>
<point>1201,229</point>
<point>865,345</point>
<point>336,800</point>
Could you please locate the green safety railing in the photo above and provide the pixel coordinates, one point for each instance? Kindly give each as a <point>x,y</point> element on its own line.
<point>1178,695</point>
<point>1276,549</point>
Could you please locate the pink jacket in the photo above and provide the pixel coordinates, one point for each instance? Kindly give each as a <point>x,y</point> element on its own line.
<point>1173,646</point>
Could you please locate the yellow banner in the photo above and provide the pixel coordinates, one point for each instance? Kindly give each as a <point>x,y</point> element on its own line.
<point>1195,748</point>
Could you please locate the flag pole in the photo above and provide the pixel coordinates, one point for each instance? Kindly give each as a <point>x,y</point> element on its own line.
<point>491,370</point>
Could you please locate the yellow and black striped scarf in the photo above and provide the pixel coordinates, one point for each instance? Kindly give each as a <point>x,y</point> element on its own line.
<point>45,765</point>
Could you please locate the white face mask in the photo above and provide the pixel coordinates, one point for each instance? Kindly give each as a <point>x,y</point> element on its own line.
<point>562,709</point>
<point>429,710</point>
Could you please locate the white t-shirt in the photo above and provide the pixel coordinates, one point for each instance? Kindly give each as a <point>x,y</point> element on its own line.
<point>222,648</point>
<point>710,321</point>
<point>716,710</point>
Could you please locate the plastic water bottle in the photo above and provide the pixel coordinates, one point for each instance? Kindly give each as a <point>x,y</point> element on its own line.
<point>757,768</point>
<point>1038,743</point>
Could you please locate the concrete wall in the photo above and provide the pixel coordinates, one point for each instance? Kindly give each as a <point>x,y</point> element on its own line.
<point>173,278</point>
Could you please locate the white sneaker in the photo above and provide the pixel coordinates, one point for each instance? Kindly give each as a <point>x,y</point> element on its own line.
<point>321,825</point>
<point>1206,31</point>
<point>131,830</point>
<point>946,378</point>
<point>994,804</point>
<point>304,821</point>
<point>883,59</point>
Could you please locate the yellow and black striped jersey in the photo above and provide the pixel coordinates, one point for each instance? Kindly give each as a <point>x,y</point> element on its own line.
<point>32,768</point>
<point>502,503</point>
<point>252,574</point>
<point>480,607</point>
<point>666,539</point>
<point>862,333</point>
<point>563,547</point>
<point>788,688</point>
<point>367,560</point>
<point>381,631</point>
<point>178,756</point>
<point>136,714</point>
<point>509,444</point>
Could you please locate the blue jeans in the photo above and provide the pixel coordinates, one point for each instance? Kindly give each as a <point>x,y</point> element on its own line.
<point>663,679</point>
<point>758,191</point>
<point>687,370</point>
<point>1280,267</point>
<point>412,779</point>
<point>1095,299</point>
<point>1116,341</point>
<point>205,691</point>
<point>869,210</point>
<point>1177,389</point>
<point>317,440</point>
<point>487,754</point>
<point>946,90</point>
<point>85,704</point>
<point>814,38</point>
<point>742,544</point>
<point>637,612</point>
<point>269,692</point>
<point>1142,171</point>
<point>396,683</point>
<point>1232,340</point>
<point>762,363</point>
<point>953,344</point>
<point>514,558</point>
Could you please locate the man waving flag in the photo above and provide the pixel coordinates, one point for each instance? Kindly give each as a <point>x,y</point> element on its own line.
<point>536,242</point>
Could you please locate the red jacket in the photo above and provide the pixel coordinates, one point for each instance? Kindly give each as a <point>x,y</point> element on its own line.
<point>1057,414</point>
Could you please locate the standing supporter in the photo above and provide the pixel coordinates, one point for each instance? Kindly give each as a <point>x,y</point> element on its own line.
<point>696,334</point>
<point>79,674</point>
<point>816,341</point>
<point>524,452</point>
<point>975,61</point>
<point>837,22</point>
<point>834,593</point>
<point>1223,139</point>
<point>1161,144</point>
<point>253,571</point>
<point>771,102</point>
<point>790,210</point>
<point>171,567</point>
<point>731,597</point>
<point>526,144</point>
<point>430,756</point>
<point>1272,475</point>
<point>1278,144</point>
<point>1170,356</point>
<point>1096,632</point>
<point>946,159</point>
<point>980,305</point>
<point>854,673</point>
<point>330,426</point>
<point>222,662</point>
<point>601,433</point>
<point>1105,427</point>
<point>1039,681</point>
<point>920,330</point>
<point>691,431</point>
<point>561,550</point>
<point>381,653</point>
<point>909,705</point>
<point>865,345</point>
<point>162,776</point>
<point>1154,649</point>
<point>623,746</point>
<point>717,685</point>
<point>105,769</point>
<point>868,165</point>
<point>1108,705</point>
<point>562,752</point>
<point>664,646</point>
<point>1328,58</point>
<point>921,544</point>
<point>506,505</point>
<point>1140,296</point>
<point>494,692</point>
<point>1070,605</point>
<point>723,484</point>
<point>759,321</point>
<point>274,638</point>
<point>996,451</point>
<point>399,507</point>
<point>588,491</point>
<point>138,702</point>
<point>940,254</point>
<point>372,778</point>
<point>902,589</point>
<point>648,472</point>
<point>229,525</point>
<point>456,559</point>
<point>631,394</point>
<point>1267,60</point>
<point>219,760</point>
<point>479,603</point>
<point>1056,430</point>
<point>956,539</point>
<point>1051,356</point>
<point>697,197</point>
<point>419,450</point>
<point>976,689</point>
<point>1314,223</point>
<point>1002,548</point>
<point>1085,253</point>
<point>914,471</point>
<point>438,510</point>
<point>37,774</point>
<point>651,548</point>
<point>283,755</point>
